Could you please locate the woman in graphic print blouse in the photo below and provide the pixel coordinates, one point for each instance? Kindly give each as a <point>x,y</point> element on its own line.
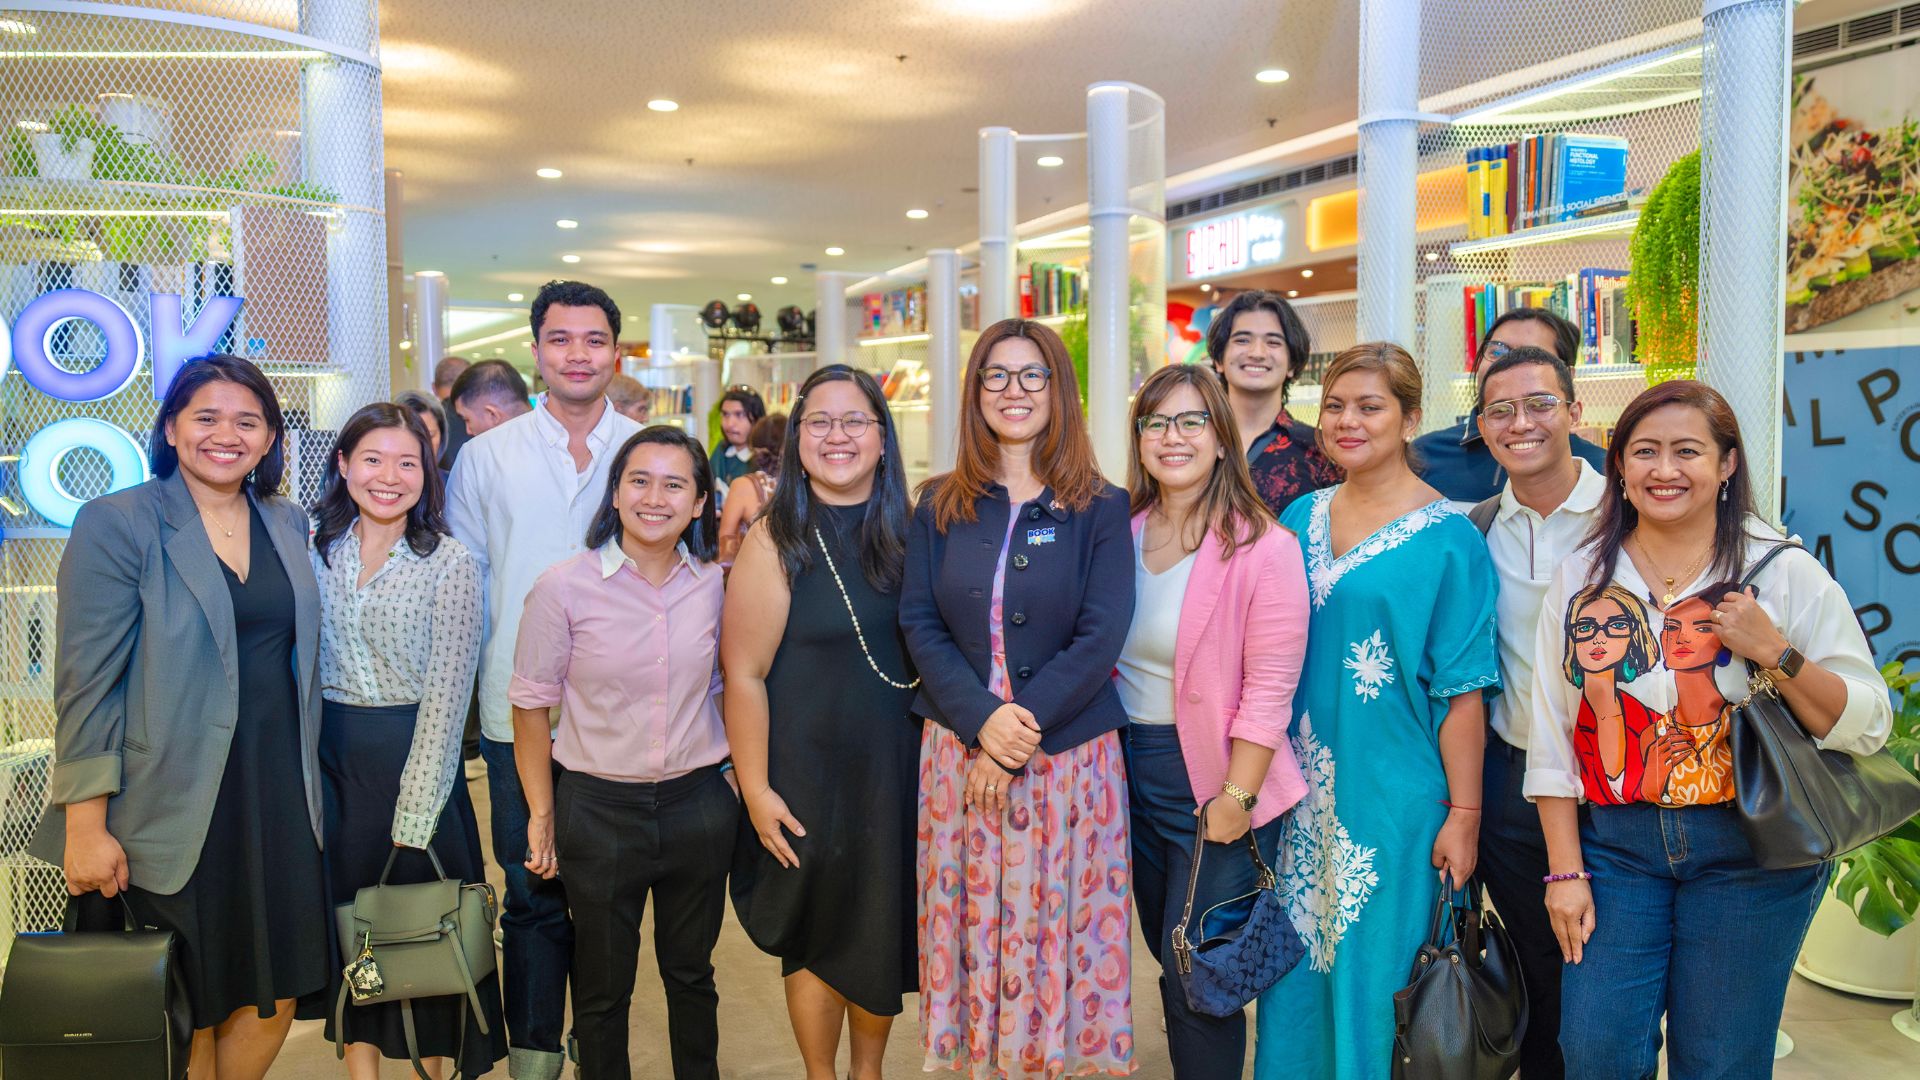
<point>1677,910</point>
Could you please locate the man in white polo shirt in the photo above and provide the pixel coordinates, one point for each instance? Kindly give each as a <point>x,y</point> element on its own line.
<point>1552,495</point>
<point>522,496</point>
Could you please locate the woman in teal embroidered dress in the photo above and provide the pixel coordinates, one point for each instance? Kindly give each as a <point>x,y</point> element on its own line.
<point>1388,726</point>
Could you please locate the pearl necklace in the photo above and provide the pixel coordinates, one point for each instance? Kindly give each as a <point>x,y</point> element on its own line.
<point>857,632</point>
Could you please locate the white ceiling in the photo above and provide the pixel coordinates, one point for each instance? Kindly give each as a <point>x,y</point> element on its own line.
<point>805,129</point>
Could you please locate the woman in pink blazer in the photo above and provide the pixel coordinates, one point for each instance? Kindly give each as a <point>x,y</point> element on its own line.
<point>1207,677</point>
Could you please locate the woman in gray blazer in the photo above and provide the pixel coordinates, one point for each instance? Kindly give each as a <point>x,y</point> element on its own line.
<point>185,774</point>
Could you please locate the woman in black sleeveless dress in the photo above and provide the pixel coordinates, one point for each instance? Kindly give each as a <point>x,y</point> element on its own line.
<point>818,698</point>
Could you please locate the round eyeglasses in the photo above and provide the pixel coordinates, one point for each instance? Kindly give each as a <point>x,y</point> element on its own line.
<point>1188,424</point>
<point>820,425</point>
<point>1033,378</point>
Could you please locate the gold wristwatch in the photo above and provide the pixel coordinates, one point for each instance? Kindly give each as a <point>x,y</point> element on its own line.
<point>1238,794</point>
<point>1787,666</point>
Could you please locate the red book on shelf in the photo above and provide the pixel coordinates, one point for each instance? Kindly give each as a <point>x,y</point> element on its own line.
<point>1468,294</point>
<point>1026,296</point>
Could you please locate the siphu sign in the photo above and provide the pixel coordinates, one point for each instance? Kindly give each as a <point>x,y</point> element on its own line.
<point>28,345</point>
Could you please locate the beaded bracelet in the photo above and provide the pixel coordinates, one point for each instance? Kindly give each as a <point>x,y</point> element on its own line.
<point>1577,875</point>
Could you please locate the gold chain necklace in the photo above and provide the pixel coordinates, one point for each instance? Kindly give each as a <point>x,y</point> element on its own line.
<point>857,632</point>
<point>1666,600</point>
<point>204,516</point>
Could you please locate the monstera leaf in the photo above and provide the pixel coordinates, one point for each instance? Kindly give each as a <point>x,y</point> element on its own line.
<point>1881,881</point>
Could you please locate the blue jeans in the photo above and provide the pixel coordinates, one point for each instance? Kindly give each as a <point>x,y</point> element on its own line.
<point>537,934</point>
<point>1686,925</point>
<point>1160,801</point>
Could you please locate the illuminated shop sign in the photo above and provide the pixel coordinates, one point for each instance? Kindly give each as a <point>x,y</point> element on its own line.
<point>28,345</point>
<point>1233,244</point>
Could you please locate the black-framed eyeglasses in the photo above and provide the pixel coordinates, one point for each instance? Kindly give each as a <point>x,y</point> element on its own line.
<point>1033,378</point>
<point>820,425</point>
<point>1188,424</point>
<point>1586,629</point>
<point>1539,407</point>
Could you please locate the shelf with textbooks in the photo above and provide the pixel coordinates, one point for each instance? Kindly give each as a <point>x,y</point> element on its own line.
<point>676,391</point>
<point>1615,225</point>
<point>776,377</point>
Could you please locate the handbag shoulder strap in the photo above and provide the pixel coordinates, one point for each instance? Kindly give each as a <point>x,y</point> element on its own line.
<point>1761,563</point>
<point>438,872</point>
<point>1265,874</point>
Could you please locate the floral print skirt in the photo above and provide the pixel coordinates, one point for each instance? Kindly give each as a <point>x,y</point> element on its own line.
<point>1025,922</point>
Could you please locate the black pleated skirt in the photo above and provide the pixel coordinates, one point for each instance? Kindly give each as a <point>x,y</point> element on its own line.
<point>362,753</point>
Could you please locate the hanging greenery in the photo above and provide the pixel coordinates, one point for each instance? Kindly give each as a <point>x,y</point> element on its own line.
<point>1664,287</point>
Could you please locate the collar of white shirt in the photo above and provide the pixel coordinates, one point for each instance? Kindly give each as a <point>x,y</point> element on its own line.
<point>1585,495</point>
<point>554,433</point>
<point>613,557</point>
<point>349,541</point>
<point>740,453</point>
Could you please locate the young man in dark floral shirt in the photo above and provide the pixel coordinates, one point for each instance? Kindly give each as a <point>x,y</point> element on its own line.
<point>1259,345</point>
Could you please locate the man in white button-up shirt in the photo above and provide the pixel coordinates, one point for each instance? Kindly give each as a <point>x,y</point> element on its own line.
<point>1526,414</point>
<point>522,496</point>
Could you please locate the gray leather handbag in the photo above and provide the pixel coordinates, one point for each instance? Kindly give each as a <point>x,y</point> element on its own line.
<point>403,942</point>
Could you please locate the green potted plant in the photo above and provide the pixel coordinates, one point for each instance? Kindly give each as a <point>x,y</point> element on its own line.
<point>1864,939</point>
<point>1663,288</point>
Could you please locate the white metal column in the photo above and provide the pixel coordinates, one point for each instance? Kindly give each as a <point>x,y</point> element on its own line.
<point>430,308</point>
<point>999,295</point>
<point>1746,73</point>
<point>1108,279</point>
<point>943,359</point>
<point>832,338</point>
<point>1389,161</point>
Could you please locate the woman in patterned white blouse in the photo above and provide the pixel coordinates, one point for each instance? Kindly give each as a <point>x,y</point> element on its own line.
<point>400,638</point>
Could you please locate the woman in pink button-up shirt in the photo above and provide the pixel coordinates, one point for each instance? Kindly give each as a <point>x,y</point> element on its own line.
<point>625,638</point>
<point>1207,676</point>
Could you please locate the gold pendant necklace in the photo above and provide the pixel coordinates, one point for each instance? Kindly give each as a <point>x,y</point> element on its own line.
<point>228,531</point>
<point>1666,599</point>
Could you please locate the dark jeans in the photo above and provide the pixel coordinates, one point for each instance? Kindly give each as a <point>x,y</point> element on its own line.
<point>537,940</point>
<point>1513,859</point>
<point>617,842</point>
<point>1160,800</point>
<point>1686,925</point>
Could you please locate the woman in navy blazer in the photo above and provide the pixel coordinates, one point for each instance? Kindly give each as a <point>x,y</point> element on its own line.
<point>1017,595</point>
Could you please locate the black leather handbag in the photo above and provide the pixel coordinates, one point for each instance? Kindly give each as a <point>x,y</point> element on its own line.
<point>1240,947</point>
<point>1463,1012</point>
<point>1800,805</point>
<point>81,1003</point>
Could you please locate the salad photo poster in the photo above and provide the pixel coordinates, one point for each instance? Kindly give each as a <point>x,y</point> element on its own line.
<point>1853,222</point>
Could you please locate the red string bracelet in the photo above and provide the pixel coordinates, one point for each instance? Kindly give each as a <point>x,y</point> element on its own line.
<point>1457,806</point>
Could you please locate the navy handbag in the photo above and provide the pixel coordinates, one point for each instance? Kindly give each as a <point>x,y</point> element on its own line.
<point>1240,947</point>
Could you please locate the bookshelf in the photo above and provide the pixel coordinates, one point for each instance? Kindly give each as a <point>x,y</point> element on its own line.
<point>1643,90</point>
<point>679,389</point>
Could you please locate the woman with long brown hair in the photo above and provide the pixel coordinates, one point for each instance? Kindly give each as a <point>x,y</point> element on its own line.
<point>1207,676</point>
<point>1017,594</point>
<point>1388,725</point>
<point>1654,892</point>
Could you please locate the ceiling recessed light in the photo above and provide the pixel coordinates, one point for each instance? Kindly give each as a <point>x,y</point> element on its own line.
<point>1273,75</point>
<point>516,297</point>
<point>566,223</point>
<point>836,251</point>
<point>916,213</point>
<point>1051,161</point>
<point>569,258</point>
<point>743,296</point>
<point>780,281</point>
<point>1293,292</point>
<point>1306,273</point>
<point>1433,256</point>
<point>632,318</point>
<point>405,345</point>
<point>661,104</point>
<point>1206,288</point>
<point>548,174</point>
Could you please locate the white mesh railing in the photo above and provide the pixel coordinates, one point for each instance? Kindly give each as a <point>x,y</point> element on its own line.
<point>199,149</point>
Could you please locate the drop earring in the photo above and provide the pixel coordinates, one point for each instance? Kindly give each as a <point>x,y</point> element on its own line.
<point>1723,491</point>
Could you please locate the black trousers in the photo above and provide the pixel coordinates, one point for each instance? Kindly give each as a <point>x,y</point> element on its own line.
<point>618,843</point>
<point>1513,859</point>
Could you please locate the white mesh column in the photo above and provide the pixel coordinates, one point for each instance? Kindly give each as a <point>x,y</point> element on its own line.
<point>999,296</point>
<point>1746,73</point>
<point>1107,284</point>
<point>430,304</point>
<point>1389,134</point>
<point>943,358</point>
<point>832,337</point>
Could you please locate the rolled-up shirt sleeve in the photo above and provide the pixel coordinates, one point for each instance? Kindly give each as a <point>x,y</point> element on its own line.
<point>1553,770</point>
<point>433,759</point>
<point>545,646</point>
<point>1275,647</point>
<point>1818,620</point>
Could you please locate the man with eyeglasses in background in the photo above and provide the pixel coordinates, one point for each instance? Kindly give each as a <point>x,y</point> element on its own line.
<point>1456,460</point>
<point>1526,415</point>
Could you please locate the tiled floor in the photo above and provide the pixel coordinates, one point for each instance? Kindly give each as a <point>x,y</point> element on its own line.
<point>1837,1035</point>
